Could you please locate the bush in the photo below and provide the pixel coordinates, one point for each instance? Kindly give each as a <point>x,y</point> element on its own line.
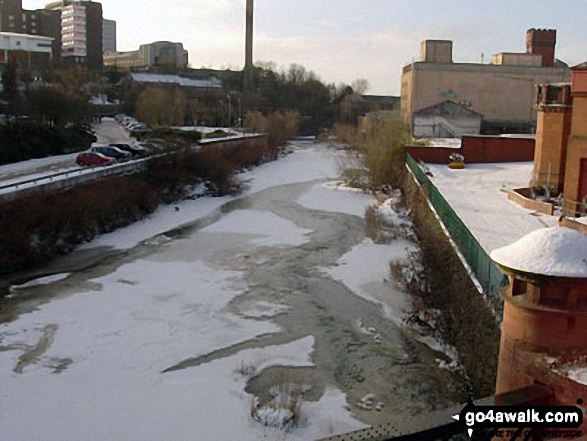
<point>20,142</point>
<point>383,149</point>
<point>280,127</point>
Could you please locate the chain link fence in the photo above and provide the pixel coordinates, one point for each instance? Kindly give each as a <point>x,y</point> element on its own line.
<point>492,280</point>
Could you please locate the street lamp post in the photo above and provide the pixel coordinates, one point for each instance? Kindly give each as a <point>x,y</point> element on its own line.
<point>229,111</point>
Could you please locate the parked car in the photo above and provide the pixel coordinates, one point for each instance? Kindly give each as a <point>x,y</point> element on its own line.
<point>134,150</point>
<point>138,128</point>
<point>151,147</point>
<point>127,123</point>
<point>93,158</point>
<point>112,152</point>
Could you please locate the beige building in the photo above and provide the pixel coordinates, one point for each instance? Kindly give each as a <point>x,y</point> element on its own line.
<point>503,92</point>
<point>160,53</point>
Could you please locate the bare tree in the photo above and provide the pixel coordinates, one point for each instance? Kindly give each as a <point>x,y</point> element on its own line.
<point>360,86</point>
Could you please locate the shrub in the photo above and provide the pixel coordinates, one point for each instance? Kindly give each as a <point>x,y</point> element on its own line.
<point>280,127</point>
<point>383,150</point>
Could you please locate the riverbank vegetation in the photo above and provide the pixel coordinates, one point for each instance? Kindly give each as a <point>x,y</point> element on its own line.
<point>444,298</point>
<point>45,225</point>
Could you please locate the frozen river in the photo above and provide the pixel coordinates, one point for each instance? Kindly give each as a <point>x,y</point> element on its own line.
<point>203,315</point>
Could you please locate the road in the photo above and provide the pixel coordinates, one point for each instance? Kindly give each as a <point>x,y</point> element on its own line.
<point>109,131</point>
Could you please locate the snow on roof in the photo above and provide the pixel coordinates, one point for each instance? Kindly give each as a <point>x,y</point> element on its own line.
<point>557,252</point>
<point>211,83</point>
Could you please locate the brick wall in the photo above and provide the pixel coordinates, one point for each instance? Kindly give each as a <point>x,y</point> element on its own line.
<point>490,149</point>
<point>431,155</point>
<point>479,149</point>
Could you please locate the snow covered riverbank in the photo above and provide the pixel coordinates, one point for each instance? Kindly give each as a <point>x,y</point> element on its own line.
<point>184,332</point>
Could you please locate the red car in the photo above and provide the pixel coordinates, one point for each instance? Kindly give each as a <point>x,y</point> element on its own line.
<point>93,158</point>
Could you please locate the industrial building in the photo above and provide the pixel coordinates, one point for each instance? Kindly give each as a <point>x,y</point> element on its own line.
<point>503,92</point>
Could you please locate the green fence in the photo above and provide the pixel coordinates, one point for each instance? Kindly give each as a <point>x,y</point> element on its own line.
<point>487,273</point>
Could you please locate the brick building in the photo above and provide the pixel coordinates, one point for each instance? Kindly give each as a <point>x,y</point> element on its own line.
<point>560,161</point>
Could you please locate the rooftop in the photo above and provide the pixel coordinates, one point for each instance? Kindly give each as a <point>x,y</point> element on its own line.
<point>478,194</point>
<point>556,252</point>
<point>210,83</point>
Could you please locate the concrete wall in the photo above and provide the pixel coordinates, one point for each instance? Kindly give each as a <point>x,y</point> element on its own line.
<point>433,126</point>
<point>521,196</point>
<point>73,179</point>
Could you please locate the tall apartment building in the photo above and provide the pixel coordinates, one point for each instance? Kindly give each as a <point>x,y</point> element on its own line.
<point>81,32</point>
<point>45,23</point>
<point>109,36</point>
<point>503,92</point>
<point>159,53</point>
<point>11,16</point>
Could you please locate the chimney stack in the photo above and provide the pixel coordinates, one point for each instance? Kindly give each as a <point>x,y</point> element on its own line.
<point>543,42</point>
<point>249,83</point>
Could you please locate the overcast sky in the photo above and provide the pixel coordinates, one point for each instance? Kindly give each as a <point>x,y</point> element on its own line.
<point>342,40</point>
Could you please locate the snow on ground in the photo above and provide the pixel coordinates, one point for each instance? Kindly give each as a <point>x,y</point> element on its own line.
<point>261,309</point>
<point>478,194</point>
<point>369,261</point>
<point>336,198</point>
<point>273,229</point>
<point>117,339</point>
<point>452,143</point>
<point>36,167</point>
<point>140,404</point>
<point>304,164</point>
<point>164,219</point>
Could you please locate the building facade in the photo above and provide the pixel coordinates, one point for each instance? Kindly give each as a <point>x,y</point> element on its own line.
<point>109,40</point>
<point>81,32</point>
<point>157,54</point>
<point>503,92</point>
<point>560,161</point>
<point>27,51</point>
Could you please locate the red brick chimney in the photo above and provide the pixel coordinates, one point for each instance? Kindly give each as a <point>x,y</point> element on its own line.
<point>543,42</point>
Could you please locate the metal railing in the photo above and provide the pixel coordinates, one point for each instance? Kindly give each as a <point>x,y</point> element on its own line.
<point>491,279</point>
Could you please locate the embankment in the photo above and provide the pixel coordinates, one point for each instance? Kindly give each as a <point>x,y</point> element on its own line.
<point>468,322</point>
<point>42,226</point>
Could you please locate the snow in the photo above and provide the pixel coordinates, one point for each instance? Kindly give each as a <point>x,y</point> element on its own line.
<point>478,194</point>
<point>273,229</point>
<point>120,392</point>
<point>164,219</point>
<point>452,143</point>
<point>368,262</point>
<point>335,197</point>
<point>211,83</point>
<point>304,164</point>
<point>261,309</point>
<point>41,281</point>
<point>557,251</point>
<point>53,164</point>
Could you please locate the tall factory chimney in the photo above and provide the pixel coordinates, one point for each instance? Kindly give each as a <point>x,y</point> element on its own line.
<point>249,83</point>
